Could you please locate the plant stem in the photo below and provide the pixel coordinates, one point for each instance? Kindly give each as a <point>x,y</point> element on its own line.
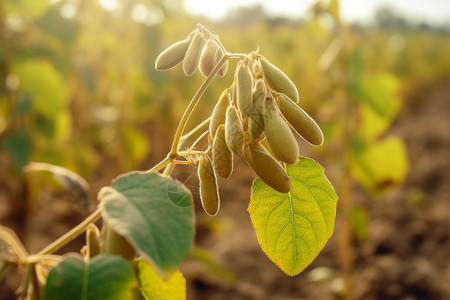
<point>212,36</point>
<point>80,228</point>
<point>236,55</point>
<point>162,164</point>
<point>346,256</point>
<point>73,233</point>
<point>199,128</point>
<point>187,113</point>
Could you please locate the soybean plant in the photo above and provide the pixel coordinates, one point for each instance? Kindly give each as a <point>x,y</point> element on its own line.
<point>147,216</point>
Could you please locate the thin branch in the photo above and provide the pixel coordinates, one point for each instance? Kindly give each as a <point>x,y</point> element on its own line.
<point>73,233</point>
<point>162,164</point>
<point>187,113</point>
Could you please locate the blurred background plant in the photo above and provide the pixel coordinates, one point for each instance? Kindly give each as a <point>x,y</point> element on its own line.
<point>78,89</point>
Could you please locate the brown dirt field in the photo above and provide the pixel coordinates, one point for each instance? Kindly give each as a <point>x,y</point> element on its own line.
<point>406,255</point>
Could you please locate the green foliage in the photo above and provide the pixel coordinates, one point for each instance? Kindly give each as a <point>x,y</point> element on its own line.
<point>103,277</point>
<point>153,287</point>
<point>19,147</point>
<point>154,213</point>
<point>87,95</point>
<point>45,86</point>
<point>293,227</point>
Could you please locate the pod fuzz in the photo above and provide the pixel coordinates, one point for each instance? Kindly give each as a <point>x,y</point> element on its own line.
<point>219,113</point>
<point>234,133</point>
<point>173,55</point>
<point>222,155</point>
<point>244,84</point>
<point>279,134</point>
<point>255,121</point>
<point>208,57</point>
<point>300,120</point>
<point>209,194</point>
<point>224,69</point>
<point>278,80</point>
<point>211,55</point>
<point>266,167</point>
<point>193,53</point>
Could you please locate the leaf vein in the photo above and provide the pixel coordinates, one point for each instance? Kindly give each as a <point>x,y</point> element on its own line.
<point>315,200</point>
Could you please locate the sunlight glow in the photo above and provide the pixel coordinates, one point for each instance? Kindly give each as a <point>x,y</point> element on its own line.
<point>68,11</point>
<point>148,16</point>
<point>218,9</point>
<point>110,4</point>
<point>433,11</point>
<point>139,13</point>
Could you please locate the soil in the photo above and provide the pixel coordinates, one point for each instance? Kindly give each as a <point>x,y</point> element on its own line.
<point>406,254</point>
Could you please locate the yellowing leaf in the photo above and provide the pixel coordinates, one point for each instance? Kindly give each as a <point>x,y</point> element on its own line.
<point>334,10</point>
<point>372,124</point>
<point>382,164</point>
<point>153,287</point>
<point>137,144</point>
<point>292,228</point>
<point>63,126</point>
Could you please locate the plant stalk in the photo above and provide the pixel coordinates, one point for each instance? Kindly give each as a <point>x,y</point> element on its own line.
<point>162,164</point>
<point>73,233</point>
<point>188,112</point>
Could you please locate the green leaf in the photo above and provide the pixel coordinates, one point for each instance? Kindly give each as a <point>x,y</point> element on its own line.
<point>45,86</point>
<point>154,213</point>
<point>18,144</point>
<point>380,165</point>
<point>292,228</point>
<point>104,277</point>
<point>22,105</point>
<point>153,287</point>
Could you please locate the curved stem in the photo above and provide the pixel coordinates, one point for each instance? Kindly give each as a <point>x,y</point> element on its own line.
<point>198,139</point>
<point>236,55</point>
<point>162,164</point>
<point>199,128</point>
<point>205,30</point>
<point>187,113</point>
<point>73,233</point>
<point>196,152</point>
